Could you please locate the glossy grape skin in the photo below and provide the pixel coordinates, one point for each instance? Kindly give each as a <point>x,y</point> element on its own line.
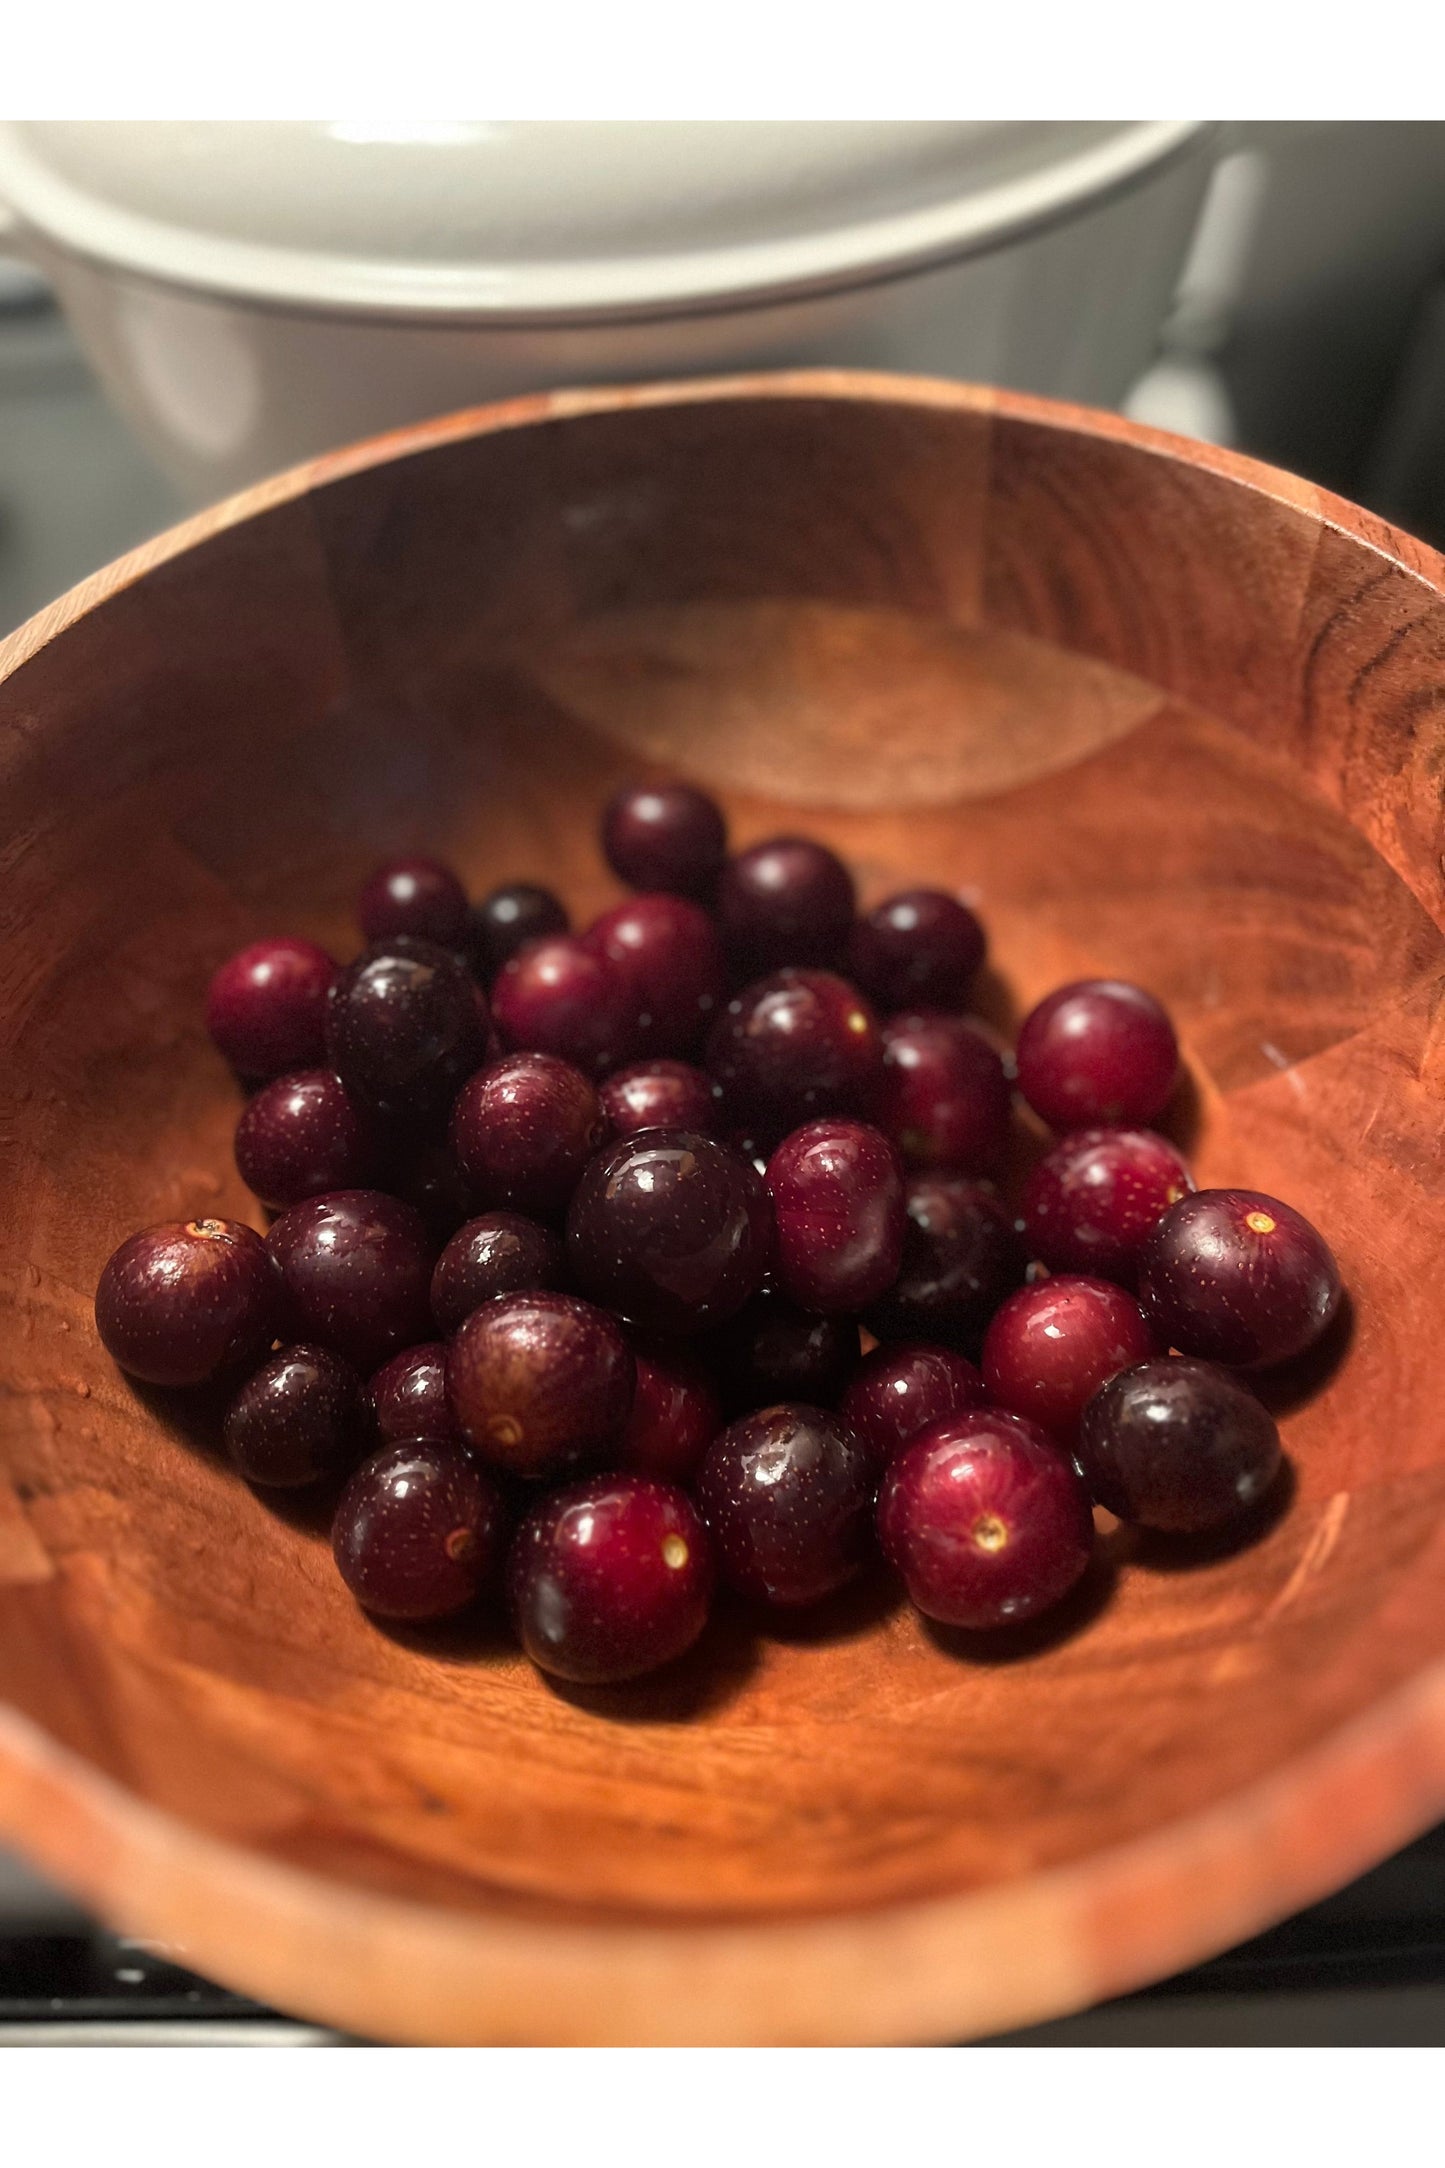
<point>407,1397</point>
<point>668,951</point>
<point>658,1095</point>
<point>539,1382</point>
<point>675,1414</point>
<point>943,1096</point>
<point>1099,1051</point>
<point>610,1578</point>
<point>1089,1204</point>
<point>405,1024</point>
<point>665,836</point>
<point>1178,1445</point>
<point>1238,1277</point>
<point>670,1229</point>
<point>297,1420</point>
<point>921,949</point>
<point>772,1352</point>
<point>420,1530</point>
<point>356,1267</point>
<point>188,1300</point>
<point>498,1253</point>
<point>837,1191</point>
<point>961,1256</point>
<point>560,997</point>
<point>418,896</point>
<point>899,1390</point>
<point>266,1007</point>
<point>523,1129</point>
<point>788,900</point>
<point>986,1520</point>
<point>787,1495</point>
<point>504,922</point>
<point>794,1046</point>
<point>304,1134</point>
<point>1051,1346</point>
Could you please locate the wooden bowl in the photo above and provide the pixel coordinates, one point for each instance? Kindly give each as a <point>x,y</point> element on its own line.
<point>1173,716</point>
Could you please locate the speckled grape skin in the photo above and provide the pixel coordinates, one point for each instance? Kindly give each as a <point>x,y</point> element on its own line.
<point>787,1495</point>
<point>837,1191</point>
<point>356,1268</point>
<point>943,1096</point>
<point>792,1047</point>
<point>505,921</point>
<point>665,836</point>
<point>1051,1346</point>
<point>670,1229</point>
<point>407,1397</point>
<point>1089,1204</point>
<point>297,1420</point>
<point>921,949</point>
<point>658,1095</point>
<point>304,1134</point>
<point>539,1382</point>
<point>1179,1446</point>
<point>986,1520</point>
<point>523,1129</point>
<point>667,950</point>
<point>1238,1277</point>
<point>960,1258</point>
<point>188,1300</point>
<point>417,896</point>
<point>560,997</point>
<point>498,1253</point>
<point>1097,1051</point>
<point>773,1351</point>
<point>266,1007</point>
<point>789,900</point>
<point>610,1578</point>
<point>898,1391</point>
<point>405,1024</point>
<point>675,1413</point>
<point>420,1531</point>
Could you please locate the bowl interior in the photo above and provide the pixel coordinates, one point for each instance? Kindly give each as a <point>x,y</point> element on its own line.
<point>1160,723</point>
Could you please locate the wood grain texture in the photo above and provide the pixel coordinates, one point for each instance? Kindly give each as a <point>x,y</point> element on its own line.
<point>1163,713</point>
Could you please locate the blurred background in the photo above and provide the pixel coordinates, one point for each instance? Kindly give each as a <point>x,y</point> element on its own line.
<point>187,306</point>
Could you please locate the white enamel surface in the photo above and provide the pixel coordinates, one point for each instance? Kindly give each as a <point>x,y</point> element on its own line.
<point>536,219</point>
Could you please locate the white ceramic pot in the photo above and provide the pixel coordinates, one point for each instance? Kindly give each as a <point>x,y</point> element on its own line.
<point>254,292</point>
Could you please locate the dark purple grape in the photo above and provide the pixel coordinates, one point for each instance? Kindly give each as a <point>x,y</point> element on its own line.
<point>414,896</point>
<point>987,1522</point>
<point>187,1300</point>
<point>960,1258</point>
<point>675,1414</point>
<point>1051,1346</point>
<point>787,901</point>
<point>667,950</point>
<point>902,1389</point>
<point>610,1578</point>
<point>296,1420</point>
<point>670,1229</point>
<point>1090,1203</point>
<point>407,1398</point>
<point>405,1025</point>
<point>420,1530</point>
<point>1239,1278</point>
<point>773,1351</point>
<point>504,922</point>
<point>837,1191</point>
<point>560,997</point>
<point>665,836</point>
<point>356,1267</point>
<point>944,1096</point>
<point>1098,1051</point>
<point>792,1047</point>
<point>787,1494</point>
<point>266,1007</point>
<point>499,1253</point>
<point>919,950</point>
<point>425,1173</point>
<point>523,1130</point>
<point>304,1134</point>
<point>658,1095</point>
<point>540,1381</point>
<point>1177,1445</point>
